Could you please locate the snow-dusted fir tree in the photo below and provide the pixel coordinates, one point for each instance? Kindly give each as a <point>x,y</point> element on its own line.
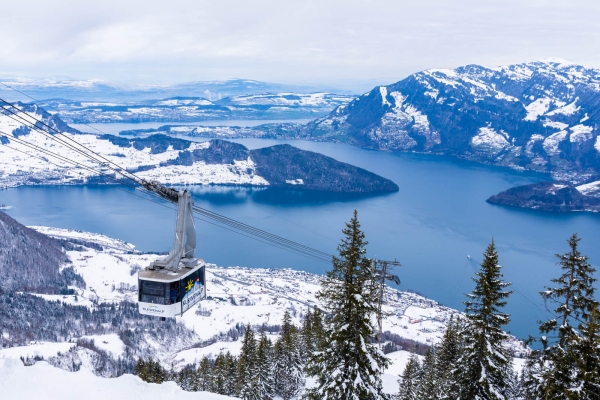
<point>204,373</point>
<point>485,363</point>
<point>573,297</point>
<point>264,360</point>
<point>447,354</point>
<point>288,365</point>
<point>232,374</point>
<point>247,367</point>
<point>351,366</point>
<point>410,379</point>
<point>587,379</point>
<point>428,385</point>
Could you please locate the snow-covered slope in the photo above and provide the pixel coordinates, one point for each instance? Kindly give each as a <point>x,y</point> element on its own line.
<point>540,115</point>
<point>165,159</point>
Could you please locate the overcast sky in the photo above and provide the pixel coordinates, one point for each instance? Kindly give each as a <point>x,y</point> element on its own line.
<point>349,44</point>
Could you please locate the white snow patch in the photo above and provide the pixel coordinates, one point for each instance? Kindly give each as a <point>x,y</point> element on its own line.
<point>555,124</point>
<point>488,140</point>
<point>569,109</point>
<point>590,189</point>
<point>580,133</point>
<point>383,92</point>
<point>597,144</point>
<point>111,343</point>
<point>537,108</point>
<point>39,349</point>
<point>552,141</point>
<point>298,181</point>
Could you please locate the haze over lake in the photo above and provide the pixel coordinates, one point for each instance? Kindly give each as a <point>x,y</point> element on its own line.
<point>438,217</point>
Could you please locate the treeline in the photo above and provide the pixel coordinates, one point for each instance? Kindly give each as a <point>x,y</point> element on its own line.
<point>472,362</point>
<point>262,370</point>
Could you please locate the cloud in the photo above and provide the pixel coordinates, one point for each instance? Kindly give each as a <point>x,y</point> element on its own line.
<point>288,41</point>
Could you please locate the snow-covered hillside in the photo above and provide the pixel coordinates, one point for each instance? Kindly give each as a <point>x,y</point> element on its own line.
<point>28,156</point>
<point>540,115</point>
<point>236,296</point>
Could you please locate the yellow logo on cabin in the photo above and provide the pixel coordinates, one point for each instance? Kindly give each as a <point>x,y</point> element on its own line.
<point>189,285</point>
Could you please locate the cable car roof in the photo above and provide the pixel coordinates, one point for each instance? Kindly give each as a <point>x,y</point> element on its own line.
<point>166,275</point>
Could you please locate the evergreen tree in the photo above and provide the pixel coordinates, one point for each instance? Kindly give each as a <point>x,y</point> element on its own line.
<point>351,366</point>
<point>264,361</point>
<point>534,376</point>
<point>307,336</point>
<point>141,369</point>
<point>288,365</point>
<point>204,375</point>
<point>485,363</point>
<point>247,367</point>
<point>232,374</point>
<point>447,355</point>
<point>587,380</point>
<point>219,375</point>
<point>573,296</point>
<point>428,389</point>
<point>410,380</point>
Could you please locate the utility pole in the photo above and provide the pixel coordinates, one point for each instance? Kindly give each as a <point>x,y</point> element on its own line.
<point>381,271</point>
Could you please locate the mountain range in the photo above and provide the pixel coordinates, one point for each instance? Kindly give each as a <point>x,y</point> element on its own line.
<point>95,90</point>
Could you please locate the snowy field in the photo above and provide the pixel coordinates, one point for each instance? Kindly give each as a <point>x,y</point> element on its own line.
<point>235,295</point>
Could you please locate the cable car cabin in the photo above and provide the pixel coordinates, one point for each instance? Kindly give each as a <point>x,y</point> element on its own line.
<point>164,293</point>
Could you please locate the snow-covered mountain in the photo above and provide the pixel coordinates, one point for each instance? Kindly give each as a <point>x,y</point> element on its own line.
<point>189,109</point>
<point>541,115</point>
<point>165,159</point>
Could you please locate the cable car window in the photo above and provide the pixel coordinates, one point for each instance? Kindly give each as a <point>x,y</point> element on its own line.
<point>152,292</point>
<point>174,293</point>
<point>153,288</point>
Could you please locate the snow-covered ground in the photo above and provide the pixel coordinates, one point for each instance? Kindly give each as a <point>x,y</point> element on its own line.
<point>43,381</point>
<point>235,295</point>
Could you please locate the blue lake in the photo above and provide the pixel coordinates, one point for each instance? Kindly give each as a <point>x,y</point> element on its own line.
<point>438,217</point>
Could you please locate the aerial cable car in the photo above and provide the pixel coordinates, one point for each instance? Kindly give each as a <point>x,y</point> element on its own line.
<point>171,285</point>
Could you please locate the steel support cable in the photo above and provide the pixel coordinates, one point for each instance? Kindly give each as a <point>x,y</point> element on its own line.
<point>266,239</point>
<point>34,126</point>
<point>259,232</point>
<point>253,237</point>
<point>210,214</point>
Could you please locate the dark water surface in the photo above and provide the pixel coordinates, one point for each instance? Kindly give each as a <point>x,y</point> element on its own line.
<point>438,217</point>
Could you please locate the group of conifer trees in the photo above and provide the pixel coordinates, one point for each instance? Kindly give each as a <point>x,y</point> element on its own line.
<point>472,361</point>
<point>262,370</point>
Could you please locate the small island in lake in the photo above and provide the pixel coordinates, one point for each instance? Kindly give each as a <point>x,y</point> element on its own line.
<point>552,196</point>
